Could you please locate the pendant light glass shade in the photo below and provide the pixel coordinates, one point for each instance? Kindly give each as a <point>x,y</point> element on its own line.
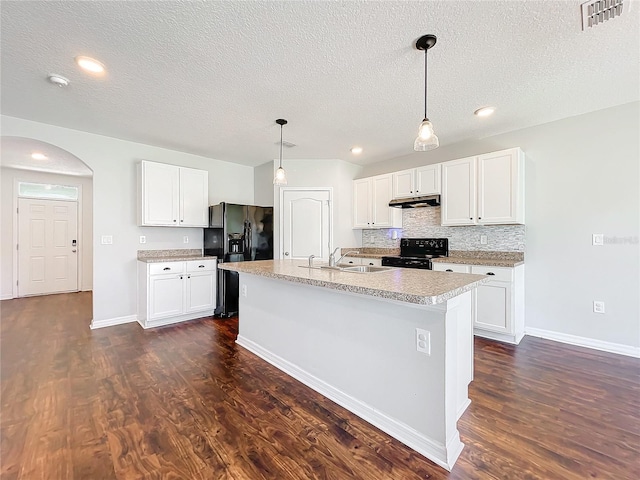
<point>426,139</point>
<point>281,176</point>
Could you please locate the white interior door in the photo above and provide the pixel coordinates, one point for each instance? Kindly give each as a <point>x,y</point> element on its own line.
<point>47,246</point>
<point>306,224</point>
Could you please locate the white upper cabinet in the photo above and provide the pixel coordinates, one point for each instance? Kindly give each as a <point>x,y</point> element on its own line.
<point>484,190</point>
<point>428,179</point>
<point>501,187</point>
<point>172,196</point>
<point>417,181</point>
<point>371,198</point>
<point>361,202</point>
<point>194,197</point>
<point>404,183</point>
<point>459,192</point>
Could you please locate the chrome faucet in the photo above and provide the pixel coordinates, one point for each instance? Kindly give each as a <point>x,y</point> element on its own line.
<point>332,257</point>
<point>311,257</point>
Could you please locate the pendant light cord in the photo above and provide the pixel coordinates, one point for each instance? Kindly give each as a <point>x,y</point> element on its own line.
<point>281,146</point>
<point>425,84</point>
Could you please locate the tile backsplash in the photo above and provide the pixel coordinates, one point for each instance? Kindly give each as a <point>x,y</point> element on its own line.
<point>425,222</point>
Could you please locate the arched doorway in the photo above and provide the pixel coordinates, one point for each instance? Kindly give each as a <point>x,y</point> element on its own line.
<point>47,208</point>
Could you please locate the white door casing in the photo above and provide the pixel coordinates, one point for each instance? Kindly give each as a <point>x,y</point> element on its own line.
<point>306,223</point>
<point>47,255</point>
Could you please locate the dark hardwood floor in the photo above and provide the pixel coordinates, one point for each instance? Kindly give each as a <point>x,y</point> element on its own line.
<point>185,402</point>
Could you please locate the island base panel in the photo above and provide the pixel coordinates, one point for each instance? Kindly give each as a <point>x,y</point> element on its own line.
<point>360,351</point>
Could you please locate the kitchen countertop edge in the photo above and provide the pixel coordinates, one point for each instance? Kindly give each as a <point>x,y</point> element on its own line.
<point>342,283</point>
<point>485,262</point>
<point>184,258</point>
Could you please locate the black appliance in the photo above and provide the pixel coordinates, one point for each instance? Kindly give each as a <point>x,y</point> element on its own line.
<point>237,233</point>
<point>418,252</point>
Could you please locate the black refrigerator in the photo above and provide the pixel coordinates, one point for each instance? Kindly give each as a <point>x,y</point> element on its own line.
<point>237,233</point>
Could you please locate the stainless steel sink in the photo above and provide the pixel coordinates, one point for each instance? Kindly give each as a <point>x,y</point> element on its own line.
<point>345,267</point>
<point>366,269</point>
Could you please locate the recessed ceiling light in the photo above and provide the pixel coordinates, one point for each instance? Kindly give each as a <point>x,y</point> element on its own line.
<point>90,64</point>
<point>356,150</point>
<point>484,111</point>
<point>38,156</point>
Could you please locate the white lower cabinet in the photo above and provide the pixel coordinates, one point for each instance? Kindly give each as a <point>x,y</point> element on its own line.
<point>171,292</point>
<point>498,305</point>
<point>362,261</point>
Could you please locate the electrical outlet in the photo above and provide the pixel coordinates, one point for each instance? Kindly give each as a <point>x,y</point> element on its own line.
<point>423,341</point>
<point>598,307</point>
<point>598,239</point>
<point>143,239</point>
<point>244,290</point>
<point>483,239</point>
<point>107,240</point>
<point>185,239</point>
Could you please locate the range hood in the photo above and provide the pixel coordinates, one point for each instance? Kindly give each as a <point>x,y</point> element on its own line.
<point>415,202</point>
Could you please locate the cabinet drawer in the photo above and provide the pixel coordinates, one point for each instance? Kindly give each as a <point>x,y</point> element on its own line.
<point>499,273</point>
<point>166,267</point>
<point>201,266</point>
<point>453,267</point>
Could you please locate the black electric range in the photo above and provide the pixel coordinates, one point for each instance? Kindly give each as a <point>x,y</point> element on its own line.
<point>418,252</point>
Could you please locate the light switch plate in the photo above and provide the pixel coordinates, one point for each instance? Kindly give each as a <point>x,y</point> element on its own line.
<point>483,239</point>
<point>143,239</point>
<point>107,240</point>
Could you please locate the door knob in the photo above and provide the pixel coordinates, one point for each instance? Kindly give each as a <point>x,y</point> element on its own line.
<point>286,254</point>
<point>74,250</point>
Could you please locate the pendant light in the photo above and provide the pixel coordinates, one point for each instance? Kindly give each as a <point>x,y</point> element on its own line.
<point>426,140</point>
<point>281,177</point>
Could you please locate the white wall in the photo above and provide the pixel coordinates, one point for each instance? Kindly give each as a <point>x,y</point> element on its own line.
<point>263,184</point>
<point>582,177</point>
<point>9,177</point>
<point>113,162</point>
<point>322,173</point>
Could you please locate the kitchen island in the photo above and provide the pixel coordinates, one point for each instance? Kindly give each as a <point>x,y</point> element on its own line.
<point>394,347</point>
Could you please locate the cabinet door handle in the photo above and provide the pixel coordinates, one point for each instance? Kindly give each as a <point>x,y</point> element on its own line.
<point>470,218</point>
<point>188,276</point>
<point>479,218</point>
<point>448,270</point>
<point>174,220</point>
<point>181,277</point>
<point>490,273</point>
<point>370,263</point>
<point>200,266</point>
<point>181,220</point>
<point>166,268</point>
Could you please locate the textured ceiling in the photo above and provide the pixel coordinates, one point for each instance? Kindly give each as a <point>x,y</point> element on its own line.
<point>210,78</point>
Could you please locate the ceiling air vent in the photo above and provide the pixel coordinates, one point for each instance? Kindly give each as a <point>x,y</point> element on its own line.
<point>595,13</point>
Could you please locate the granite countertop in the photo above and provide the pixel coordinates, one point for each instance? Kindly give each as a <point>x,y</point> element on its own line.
<point>483,258</point>
<point>371,252</point>
<point>422,287</point>
<point>178,255</point>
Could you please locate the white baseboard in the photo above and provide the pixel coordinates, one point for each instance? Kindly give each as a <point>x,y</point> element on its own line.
<point>431,449</point>
<point>110,322</point>
<point>584,342</point>
<point>7,296</point>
